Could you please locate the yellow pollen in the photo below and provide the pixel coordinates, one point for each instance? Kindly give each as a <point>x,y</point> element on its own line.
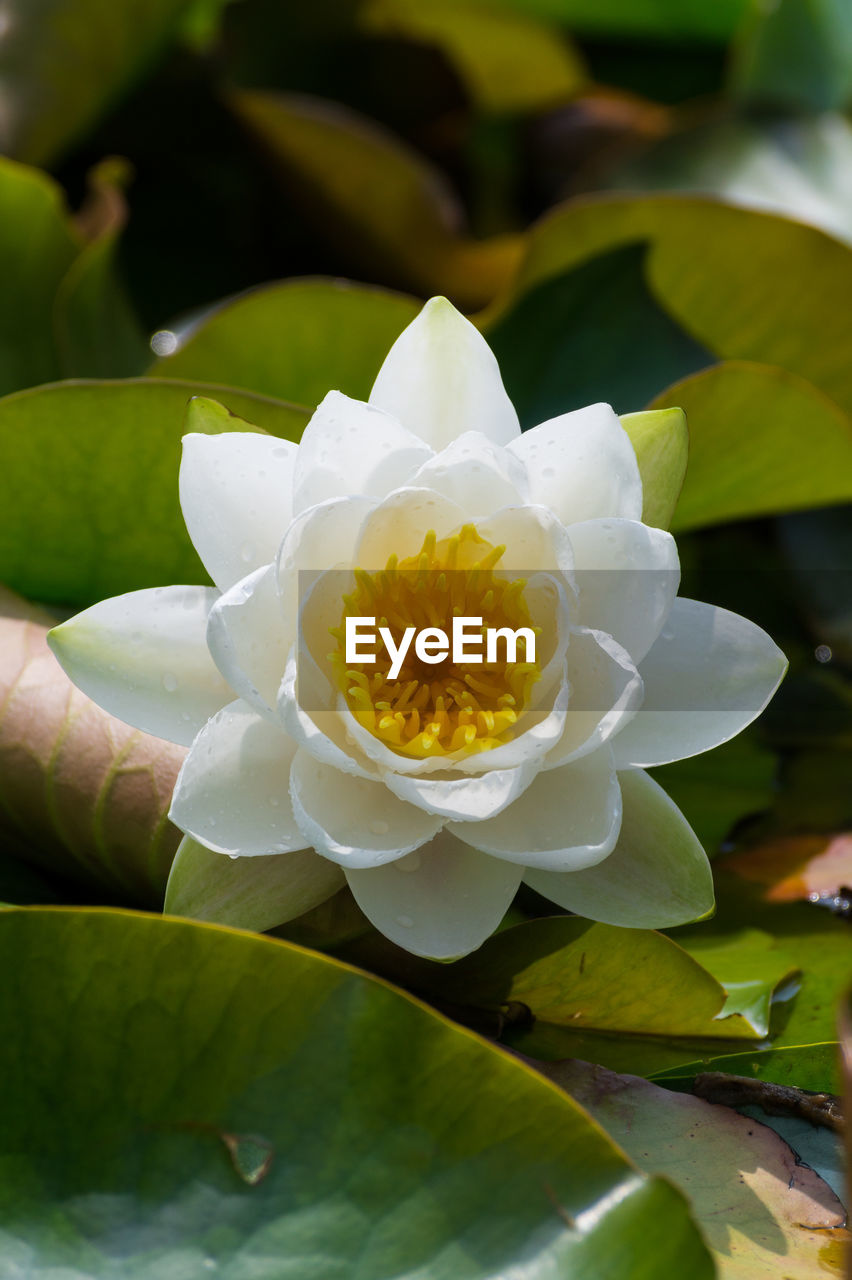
<point>447,708</point>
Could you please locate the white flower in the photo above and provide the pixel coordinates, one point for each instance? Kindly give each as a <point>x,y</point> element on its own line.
<point>436,803</point>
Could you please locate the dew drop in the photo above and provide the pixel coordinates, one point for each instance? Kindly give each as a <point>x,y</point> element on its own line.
<point>232,856</point>
<point>247,553</point>
<point>549,472</point>
<point>170,682</point>
<point>409,863</point>
<point>405,921</point>
<point>274,801</point>
<point>379,827</point>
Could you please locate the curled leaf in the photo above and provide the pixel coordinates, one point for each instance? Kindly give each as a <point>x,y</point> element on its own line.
<point>81,793</point>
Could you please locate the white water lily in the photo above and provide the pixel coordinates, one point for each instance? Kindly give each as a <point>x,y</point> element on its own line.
<point>433,796</point>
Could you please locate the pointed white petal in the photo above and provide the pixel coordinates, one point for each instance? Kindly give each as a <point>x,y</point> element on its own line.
<point>582,466</point>
<point>248,893</point>
<point>606,690</point>
<point>442,901</point>
<point>465,799</point>
<point>708,675</point>
<point>398,526</point>
<point>627,577</point>
<point>476,473</point>
<point>657,876</point>
<point>144,658</point>
<point>248,637</point>
<point>349,447</point>
<point>232,793</point>
<point>318,541</point>
<point>236,493</point>
<point>440,378</point>
<point>354,821</point>
<point>567,818</point>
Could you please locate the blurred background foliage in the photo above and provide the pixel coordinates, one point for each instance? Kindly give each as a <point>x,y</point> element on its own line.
<point>642,201</point>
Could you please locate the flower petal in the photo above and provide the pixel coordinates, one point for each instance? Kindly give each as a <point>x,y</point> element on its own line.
<point>349,447</point>
<point>144,658</point>
<point>232,793</point>
<point>248,893</point>
<point>467,799</point>
<point>248,637</point>
<point>440,378</point>
<point>582,465</point>
<point>533,537</point>
<point>657,876</point>
<point>566,819</point>
<point>442,901</point>
<point>322,733</point>
<point>606,690</point>
<point>627,577</point>
<point>236,493</point>
<point>398,526</point>
<point>474,472</point>
<point>708,675</point>
<point>354,821</point>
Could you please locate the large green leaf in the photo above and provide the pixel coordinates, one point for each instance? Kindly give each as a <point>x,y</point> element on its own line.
<point>295,340</point>
<point>761,440</point>
<point>89,487</point>
<point>591,333</point>
<point>179,1098</point>
<point>37,246</point>
<point>575,974</point>
<point>63,61</point>
<point>715,270</point>
<point>375,199</point>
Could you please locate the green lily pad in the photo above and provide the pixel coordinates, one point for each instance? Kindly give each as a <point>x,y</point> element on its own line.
<point>37,246</point>
<point>62,62</point>
<point>714,269</point>
<point>593,332</point>
<point>296,340</point>
<point>205,1099</point>
<point>89,487</point>
<point>795,452</point>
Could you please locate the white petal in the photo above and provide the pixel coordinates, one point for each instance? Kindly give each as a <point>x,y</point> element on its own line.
<point>442,901</point>
<point>248,893</point>
<point>232,793</point>
<point>236,493</point>
<point>440,378</point>
<point>533,537</point>
<point>467,799</point>
<point>567,818</point>
<point>354,821</point>
<point>322,733</point>
<point>606,691</point>
<point>248,637</point>
<point>709,674</point>
<point>399,524</point>
<point>627,577</point>
<point>323,537</point>
<point>657,876</point>
<point>474,472</point>
<point>349,447</point>
<point>582,465</point>
<point>144,658</point>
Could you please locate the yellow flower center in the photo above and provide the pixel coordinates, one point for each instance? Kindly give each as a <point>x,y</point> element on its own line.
<point>437,710</point>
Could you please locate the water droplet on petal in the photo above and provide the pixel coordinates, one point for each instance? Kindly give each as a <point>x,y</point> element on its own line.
<point>548,471</point>
<point>379,827</point>
<point>232,856</point>
<point>405,921</point>
<point>247,553</point>
<point>170,682</point>
<point>274,801</point>
<point>410,863</point>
